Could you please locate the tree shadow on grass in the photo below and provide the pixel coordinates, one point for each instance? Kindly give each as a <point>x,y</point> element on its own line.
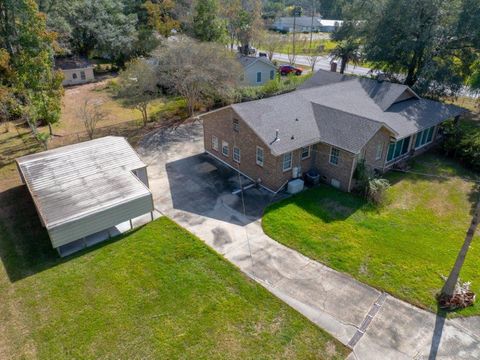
<point>25,248</point>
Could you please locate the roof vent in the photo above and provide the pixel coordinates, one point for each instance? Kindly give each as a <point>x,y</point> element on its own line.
<point>293,137</point>
<point>296,119</point>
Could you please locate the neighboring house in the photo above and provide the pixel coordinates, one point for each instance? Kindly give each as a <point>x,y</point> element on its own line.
<point>75,71</point>
<point>256,70</point>
<point>82,192</point>
<point>305,24</point>
<point>329,124</point>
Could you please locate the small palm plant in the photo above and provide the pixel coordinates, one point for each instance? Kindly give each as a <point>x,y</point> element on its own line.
<point>347,51</point>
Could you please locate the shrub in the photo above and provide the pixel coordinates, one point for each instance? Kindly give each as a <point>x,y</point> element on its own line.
<point>463,142</point>
<point>377,188</point>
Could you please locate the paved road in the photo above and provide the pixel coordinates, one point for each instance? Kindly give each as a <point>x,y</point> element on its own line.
<point>323,63</point>
<point>196,191</point>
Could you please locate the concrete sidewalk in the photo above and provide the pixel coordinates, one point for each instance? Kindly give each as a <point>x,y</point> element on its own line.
<point>195,191</point>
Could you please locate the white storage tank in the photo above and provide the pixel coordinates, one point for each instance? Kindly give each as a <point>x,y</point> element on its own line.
<point>295,186</point>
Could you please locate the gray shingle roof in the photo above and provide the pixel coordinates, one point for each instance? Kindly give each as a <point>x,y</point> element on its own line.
<point>344,112</point>
<point>247,61</point>
<point>322,78</point>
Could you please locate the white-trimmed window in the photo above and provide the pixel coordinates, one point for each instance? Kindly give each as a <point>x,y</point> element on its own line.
<point>225,150</point>
<point>334,156</point>
<point>236,125</point>
<point>82,75</point>
<point>74,75</point>
<point>236,154</point>
<point>272,74</point>
<point>379,151</point>
<point>305,152</point>
<point>287,161</point>
<point>259,77</point>
<point>424,137</point>
<point>260,156</point>
<point>214,143</point>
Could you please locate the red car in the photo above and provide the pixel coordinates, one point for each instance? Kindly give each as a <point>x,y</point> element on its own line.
<point>288,69</point>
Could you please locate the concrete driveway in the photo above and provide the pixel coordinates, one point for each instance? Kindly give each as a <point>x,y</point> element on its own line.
<point>196,191</point>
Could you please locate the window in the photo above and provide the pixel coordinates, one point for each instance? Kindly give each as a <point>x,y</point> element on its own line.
<point>214,143</point>
<point>236,154</point>
<point>287,161</point>
<point>259,77</point>
<point>305,152</point>
<point>379,151</point>
<point>334,156</point>
<point>225,148</point>
<point>424,137</point>
<point>259,158</point>
<point>272,74</point>
<point>82,75</point>
<point>74,75</point>
<point>398,148</point>
<point>236,125</point>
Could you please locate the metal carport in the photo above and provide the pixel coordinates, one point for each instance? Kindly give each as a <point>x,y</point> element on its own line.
<point>83,189</point>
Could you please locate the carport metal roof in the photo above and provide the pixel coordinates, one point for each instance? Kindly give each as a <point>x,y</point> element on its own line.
<point>78,180</point>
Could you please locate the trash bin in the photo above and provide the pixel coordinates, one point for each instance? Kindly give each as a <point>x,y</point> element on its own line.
<point>312,177</point>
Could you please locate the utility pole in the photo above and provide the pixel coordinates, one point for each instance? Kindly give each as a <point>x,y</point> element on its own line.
<point>311,26</point>
<point>448,289</point>
<point>296,12</point>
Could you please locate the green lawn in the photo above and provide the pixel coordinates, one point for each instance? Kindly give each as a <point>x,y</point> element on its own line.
<point>156,293</point>
<point>402,248</point>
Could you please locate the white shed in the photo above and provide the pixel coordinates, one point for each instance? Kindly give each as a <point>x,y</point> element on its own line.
<point>84,189</point>
<point>256,70</point>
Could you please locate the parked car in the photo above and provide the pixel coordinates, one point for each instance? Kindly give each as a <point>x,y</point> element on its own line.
<point>289,69</point>
<point>262,54</point>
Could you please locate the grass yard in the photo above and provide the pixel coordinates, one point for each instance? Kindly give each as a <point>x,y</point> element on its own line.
<point>402,248</point>
<point>157,293</point>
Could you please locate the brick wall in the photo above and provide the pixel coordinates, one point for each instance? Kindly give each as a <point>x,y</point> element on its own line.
<point>341,172</point>
<point>220,124</point>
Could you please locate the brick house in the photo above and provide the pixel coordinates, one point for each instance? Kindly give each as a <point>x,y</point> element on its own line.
<point>330,123</point>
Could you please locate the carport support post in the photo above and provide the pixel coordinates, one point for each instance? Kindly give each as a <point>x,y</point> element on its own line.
<point>151,215</point>
<point>131,225</point>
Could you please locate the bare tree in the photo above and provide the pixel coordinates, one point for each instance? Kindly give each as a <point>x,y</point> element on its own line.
<point>292,57</point>
<point>200,72</point>
<point>138,86</point>
<point>91,114</point>
<point>312,58</point>
<point>272,43</point>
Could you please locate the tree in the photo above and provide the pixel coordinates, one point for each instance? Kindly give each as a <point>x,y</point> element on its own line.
<point>207,26</point>
<point>102,27</point>
<point>138,86</point>
<point>426,44</point>
<point>161,16</point>
<point>346,51</point>
<point>91,114</point>
<point>200,72</point>
<point>271,43</point>
<point>27,64</point>
<point>243,21</point>
<point>448,290</point>
<point>312,58</point>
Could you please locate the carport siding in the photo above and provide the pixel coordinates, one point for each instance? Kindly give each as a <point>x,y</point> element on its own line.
<point>76,229</point>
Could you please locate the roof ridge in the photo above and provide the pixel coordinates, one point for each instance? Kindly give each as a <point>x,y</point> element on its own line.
<point>357,116</point>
